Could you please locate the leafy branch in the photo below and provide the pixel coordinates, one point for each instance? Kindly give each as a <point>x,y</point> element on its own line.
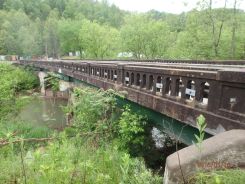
<point>201,125</point>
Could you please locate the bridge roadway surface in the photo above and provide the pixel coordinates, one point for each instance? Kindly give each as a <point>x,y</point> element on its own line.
<point>181,90</point>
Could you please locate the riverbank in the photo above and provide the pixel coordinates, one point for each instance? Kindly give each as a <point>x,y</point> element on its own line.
<point>38,154</point>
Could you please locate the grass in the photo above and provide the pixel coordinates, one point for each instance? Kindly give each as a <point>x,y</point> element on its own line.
<point>229,176</point>
<point>74,160</point>
<point>62,160</point>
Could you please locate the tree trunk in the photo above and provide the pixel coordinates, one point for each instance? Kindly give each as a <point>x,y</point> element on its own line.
<point>216,39</point>
<point>46,50</point>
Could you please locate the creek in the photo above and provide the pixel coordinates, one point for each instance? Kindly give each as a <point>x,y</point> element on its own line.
<point>47,112</point>
<point>42,111</point>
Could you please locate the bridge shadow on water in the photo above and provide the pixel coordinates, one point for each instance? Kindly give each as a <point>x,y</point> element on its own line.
<point>157,147</point>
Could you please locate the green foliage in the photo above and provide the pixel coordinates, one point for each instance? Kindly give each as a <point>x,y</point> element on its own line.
<point>23,129</point>
<point>104,122</point>
<point>74,160</point>
<point>98,41</point>
<point>145,37</point>
<point>75,155</point>
<point>99,118</point>
<point>50,35</point>
<point>201,125</point>
<point>131,129</point>
<point>13,80</point>
<point>220,177</point>
<point>68,32</point>
<point>100,30</point>
<point>51,81</point>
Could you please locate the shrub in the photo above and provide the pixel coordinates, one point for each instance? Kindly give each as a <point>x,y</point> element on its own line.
<point>74,160</point>
<point>131,129</point>
<point>13,80</point>
<point>229,176</point>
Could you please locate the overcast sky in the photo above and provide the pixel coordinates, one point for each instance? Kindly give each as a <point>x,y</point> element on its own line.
<point>170,6</point>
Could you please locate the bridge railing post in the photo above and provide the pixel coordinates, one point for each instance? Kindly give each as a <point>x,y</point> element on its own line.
<point>198,90</point>
<point>214,92</point>
<point>120,74</point>
<point>89,69</point>
<point>154,85</point>
<point>183,95</point>
<point>173,86</point>
<point>147,82</point>
<point>141,81</point>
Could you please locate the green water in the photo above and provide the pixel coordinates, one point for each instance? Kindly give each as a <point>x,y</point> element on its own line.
<point>43,111</point>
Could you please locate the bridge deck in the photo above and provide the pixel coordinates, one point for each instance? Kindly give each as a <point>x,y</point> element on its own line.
<point>181,90</point>
<point>179,65</point>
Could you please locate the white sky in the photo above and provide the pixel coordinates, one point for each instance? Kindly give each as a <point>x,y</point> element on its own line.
<point>170,6</point>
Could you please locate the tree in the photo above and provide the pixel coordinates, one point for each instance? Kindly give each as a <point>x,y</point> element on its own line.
<point>30,40</point>
<point>51,39</point>
<point>57,4</point>
<point>2,32</point>
<point>13,5</point>
<point>99,11</point>
<point>215,20</point>
<point>1,4</point>
<point>145,37</point>
<point>133,36</point>
<point>54,27</point>
<point>68,31</point>
<point>158,39</point>
<point>15,20</point>
<point>239,38</point>
<point>98,41</point>
<point>195,41</point>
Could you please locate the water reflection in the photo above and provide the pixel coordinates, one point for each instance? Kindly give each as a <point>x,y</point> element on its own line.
<point>45,112</point>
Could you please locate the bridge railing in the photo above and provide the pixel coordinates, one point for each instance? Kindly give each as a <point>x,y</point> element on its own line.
<point>174,61</point>
<point>217,91</point>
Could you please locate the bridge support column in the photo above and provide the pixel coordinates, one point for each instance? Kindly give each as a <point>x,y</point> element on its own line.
<point>42,76</point>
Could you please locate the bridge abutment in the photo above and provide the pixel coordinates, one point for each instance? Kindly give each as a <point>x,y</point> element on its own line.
<point>42,76</point>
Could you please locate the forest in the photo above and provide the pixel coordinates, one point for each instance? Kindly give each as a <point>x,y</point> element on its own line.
<point>98,30</point>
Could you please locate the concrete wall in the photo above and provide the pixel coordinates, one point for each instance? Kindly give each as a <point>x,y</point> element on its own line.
<point>42,76</point>
<point>225,150</point>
